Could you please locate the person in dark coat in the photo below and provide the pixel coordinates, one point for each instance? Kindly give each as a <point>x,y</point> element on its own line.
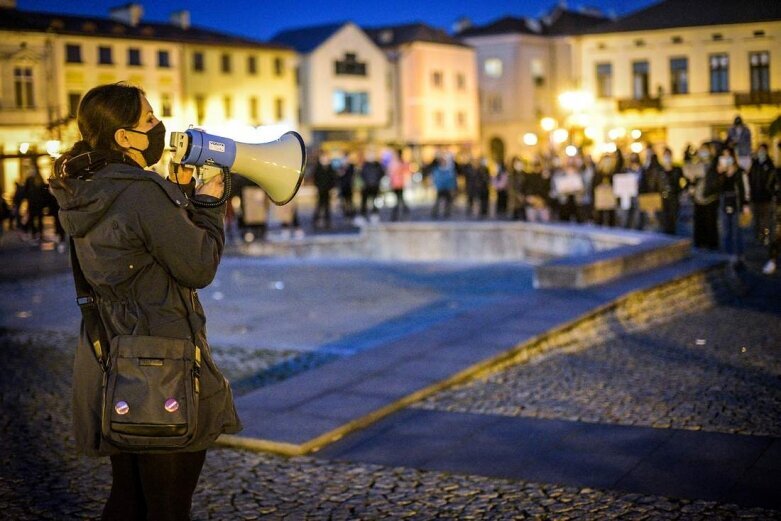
<point>35,193</point>
<point>672,185</point>
<point>144,248</point>
<point>371,174</point>
<point>735,200</point>
<point>762,179</point>
<point>325,180</point>
<point>705,193</point>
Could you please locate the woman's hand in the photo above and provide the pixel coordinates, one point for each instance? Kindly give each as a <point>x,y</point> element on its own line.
<point>214,187</point>
<point>183,173</point>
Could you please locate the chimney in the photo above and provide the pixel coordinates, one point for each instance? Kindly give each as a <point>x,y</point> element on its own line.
<point>180,19</point>
<point>129,14</point>
<point>462,24</point>
<point>7,4</point>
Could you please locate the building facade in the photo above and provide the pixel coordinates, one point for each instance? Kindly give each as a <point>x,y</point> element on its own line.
<point>343,78</point>
<point>433,85</point>
<point>679,74</point>
<point>244,89</point>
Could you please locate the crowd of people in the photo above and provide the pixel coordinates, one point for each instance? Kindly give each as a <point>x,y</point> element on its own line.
<point>728,185</point>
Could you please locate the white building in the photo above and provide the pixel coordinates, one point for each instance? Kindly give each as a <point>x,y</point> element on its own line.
<point>343,78</point>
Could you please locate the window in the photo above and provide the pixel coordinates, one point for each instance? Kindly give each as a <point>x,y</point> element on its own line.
<point>677,39</point>
<point>538,72</point>
<point>640,80</point>
<point>225,63</point>
<point>104,56</point>
<point>252,65</point>
<point>604,80</point>
<point>759,34</point>
<point>436,79</point>
<point>279,108</point>
<point>717,37</point>
<point>254,113</point>
<point>134,56</point>
<point>495,104</point>
<point>679,75</point>
<point>200,108</point>
<point>350,102</point>
<point>166,106</point>
<point>460,81</point>
<point>279,66</point>
<point>493,67</point>
<point>760,71</point>
<point>719,73</point>
<point>198,65</point>
<point>74,98</point>
<point>439,118</point>
<point>461,119</point>
<point>227,104</point>
<point>349,66</point>
<point>23,87</point>
<point>73,53</point>
<point>163,59</point>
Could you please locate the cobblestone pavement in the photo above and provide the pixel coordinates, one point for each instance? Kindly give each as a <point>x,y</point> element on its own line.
<point>716,370</point>
<point>42,478</point>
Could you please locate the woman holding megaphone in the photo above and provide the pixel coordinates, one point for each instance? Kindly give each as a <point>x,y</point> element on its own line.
<point>146,391</point>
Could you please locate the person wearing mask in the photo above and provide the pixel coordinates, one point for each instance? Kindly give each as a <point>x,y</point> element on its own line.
<point>371,175</point>
<point>536,189</point>
<point>652,182</point>
<point>444,176</point>
<point>585,200</point>
<point>734,195</point>
<point>762,180</point>
<point>604,198</point>
<point>739,139</point>
<point>480,183</point>
<point>673,184</point>
<point>705,195</point>
<point>629,216</point>
<point>399,172</point>
<point>144,246</point>
<point>567,187</point>
<point>346,180</point>
<point>325,180</point>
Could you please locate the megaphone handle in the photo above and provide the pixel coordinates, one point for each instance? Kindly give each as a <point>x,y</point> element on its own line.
<point>226,190</point>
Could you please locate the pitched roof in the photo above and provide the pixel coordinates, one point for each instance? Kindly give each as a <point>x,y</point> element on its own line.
<point>16,20</point>
<point>669,14</point>
<point>395,35</point>
<point>559,22</point>
<point>307,39</point>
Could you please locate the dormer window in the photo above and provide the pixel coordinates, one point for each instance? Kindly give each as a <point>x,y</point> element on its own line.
<point>717,37</point>
<point>349,66</point>
<point>677,39</point>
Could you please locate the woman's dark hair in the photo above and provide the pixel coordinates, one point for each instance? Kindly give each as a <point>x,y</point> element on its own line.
<point>102,111</point>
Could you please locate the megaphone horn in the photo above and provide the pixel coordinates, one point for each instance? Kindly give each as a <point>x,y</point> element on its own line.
<point>277,167</point>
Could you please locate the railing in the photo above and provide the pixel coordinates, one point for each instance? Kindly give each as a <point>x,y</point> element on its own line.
<point>640,104</point>
<point>766,97</point>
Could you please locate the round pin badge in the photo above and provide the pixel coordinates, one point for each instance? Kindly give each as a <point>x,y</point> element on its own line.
<point>122,407</point>
<point>171,405</point>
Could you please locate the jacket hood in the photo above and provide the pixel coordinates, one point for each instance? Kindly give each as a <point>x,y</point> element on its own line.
<point>84,200</point>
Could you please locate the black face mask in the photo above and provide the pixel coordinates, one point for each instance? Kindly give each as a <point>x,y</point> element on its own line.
<point>154,150</point>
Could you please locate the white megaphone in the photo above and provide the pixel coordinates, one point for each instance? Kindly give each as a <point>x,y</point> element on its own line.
<point>277,167</point>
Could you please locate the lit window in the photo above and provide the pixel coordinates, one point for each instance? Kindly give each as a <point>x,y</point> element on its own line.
<point>493,67</point>
<point>604,80</point>
<point>23,87</point>
<point>719,73</point>
<point>760,71</point>
<point>350,102</point>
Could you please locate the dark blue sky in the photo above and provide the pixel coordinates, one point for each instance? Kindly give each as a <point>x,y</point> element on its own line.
<point>261,19</point>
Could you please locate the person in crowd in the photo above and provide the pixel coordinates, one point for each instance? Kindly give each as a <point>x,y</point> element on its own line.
<point>398,172</point>
<point>143,247</point>
<point>774,248</point>
<point>604,199</point>
<point>36,194</point>
<point>762,182</point>
<point>515,189</point>
<point>705,195</point>
<point>739,139</point>
<point>444,177</point>
<point>672,185</point>
<point>629,217</point>
<point>18,220</point>
<point>654,182</point>
<point>53,208</point>
<point>734,197</point>
<point>478,179</point>
<point>346,180</point>
<point>371,175</point>
<point>585,201</point>
<point>325,181</point>
<point>567,187</point>
<point>5,215</point>
<point>501,185</point>
<point>536,190</point>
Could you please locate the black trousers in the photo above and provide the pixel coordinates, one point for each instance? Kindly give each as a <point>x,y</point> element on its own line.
<point>153,487</point>
<point>706,226</point>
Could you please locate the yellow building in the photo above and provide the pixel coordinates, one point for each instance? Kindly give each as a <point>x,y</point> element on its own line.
<point>433,84</point>
<point>48,61</point>
<point>680,71</point>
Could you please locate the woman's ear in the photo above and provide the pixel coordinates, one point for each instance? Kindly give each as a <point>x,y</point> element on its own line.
<point>120,136</point>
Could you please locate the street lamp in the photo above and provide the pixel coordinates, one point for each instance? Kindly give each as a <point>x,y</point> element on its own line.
<point>548,124</point>
<point>560,135</point>
<point>53,147</point>
<point>576,101</point>
<point>530,139</point>
<point>24,148</point>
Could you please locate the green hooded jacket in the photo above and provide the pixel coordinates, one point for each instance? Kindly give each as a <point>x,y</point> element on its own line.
<point>144,248</point>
